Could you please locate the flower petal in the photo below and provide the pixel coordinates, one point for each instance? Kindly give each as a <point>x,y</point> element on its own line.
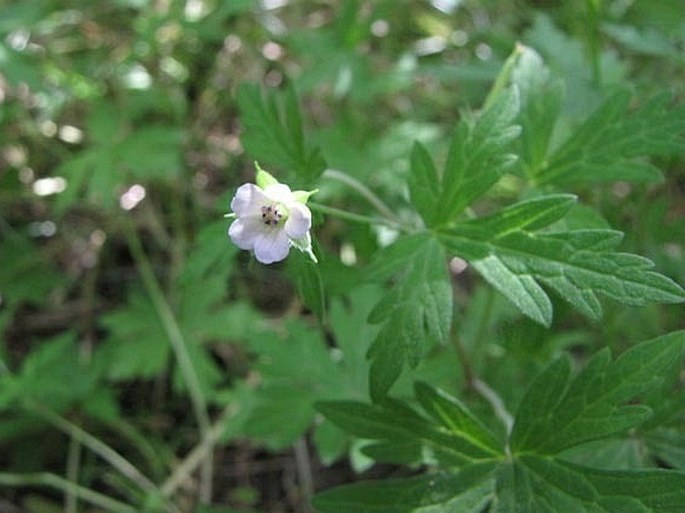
<point>244,231</point>
<point>248,200</point>
<point>279,193</point>
<point>271,246</point>
<point>299,221</point>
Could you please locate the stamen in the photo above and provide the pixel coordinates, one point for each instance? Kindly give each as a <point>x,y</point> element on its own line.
<point>271,215</point>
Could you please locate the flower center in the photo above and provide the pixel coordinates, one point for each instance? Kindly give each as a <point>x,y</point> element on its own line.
<point>271,215</point>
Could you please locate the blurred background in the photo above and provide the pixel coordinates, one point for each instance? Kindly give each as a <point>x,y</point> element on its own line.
<point>121,144</point>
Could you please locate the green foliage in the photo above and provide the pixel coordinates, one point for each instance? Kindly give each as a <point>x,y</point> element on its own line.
<point>24,272</point>
<point>606,147</point>
<point>498,210</point>
<point>275,132</point>
<point>468,490</point>
<point>477,159</point>
<point>531,472</point>
<point>577,264</point>
<point>593,404</point>
<point>415,314</point>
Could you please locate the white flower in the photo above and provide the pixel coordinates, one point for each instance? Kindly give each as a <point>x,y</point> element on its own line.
<point>270,219</point>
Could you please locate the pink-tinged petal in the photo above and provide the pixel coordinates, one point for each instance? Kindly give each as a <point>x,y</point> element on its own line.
<point>279,193</point>
<point>299,221</point>
<point>248,200</point>
<point>271,246</point>
<point>244,231</point>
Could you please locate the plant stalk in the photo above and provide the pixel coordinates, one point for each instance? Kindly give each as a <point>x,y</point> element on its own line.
<point>125,467</point>
<point>356,218</point>
<point>50,480</point>
<point>179,346</point>
<point>363,190</point>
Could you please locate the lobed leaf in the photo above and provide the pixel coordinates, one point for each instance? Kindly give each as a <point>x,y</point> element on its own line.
<point>423,182</point>
<point>556,414</point>
<point>466,491</point>
<point>606,146</point>
<point>454,416</point>
<point>541,101</point>
<point>453,434</point>
<point>534,483</point>
<point>579,265</point>
<point>274,133</point>
<point>414,314</point>
<point>477,158</point>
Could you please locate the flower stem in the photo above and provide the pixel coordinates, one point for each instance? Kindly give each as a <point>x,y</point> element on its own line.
<point>356,218</point>
<point>363,190</point>
<point>54,481</point>
<point>179,346</point>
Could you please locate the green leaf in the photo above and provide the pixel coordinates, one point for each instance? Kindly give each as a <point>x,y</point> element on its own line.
<point>557,414</point>
<point>424,184</point>
<point>532,214</point>
<point>274,133</point>
<point>397,425</point>
<point>211,255</point>
<point>414,314</point>
<point>25,273</point>
<point>608,145</point>
<point>136,345</point>
<point>579,265</point>
<point>466,491</point>
<point>152,151</point>
<point>453,415</point>
<point>541,101</point>
<point>649,41</point>
<point>309,282</point>
<point>534,483</point>
<point>477,157</point>
<point>55,374</point>
<point>299,369</point>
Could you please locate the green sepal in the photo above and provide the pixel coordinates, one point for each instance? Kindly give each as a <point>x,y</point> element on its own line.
<point>303,196</point>
<point>264,178</point>
<point>304,244</point>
